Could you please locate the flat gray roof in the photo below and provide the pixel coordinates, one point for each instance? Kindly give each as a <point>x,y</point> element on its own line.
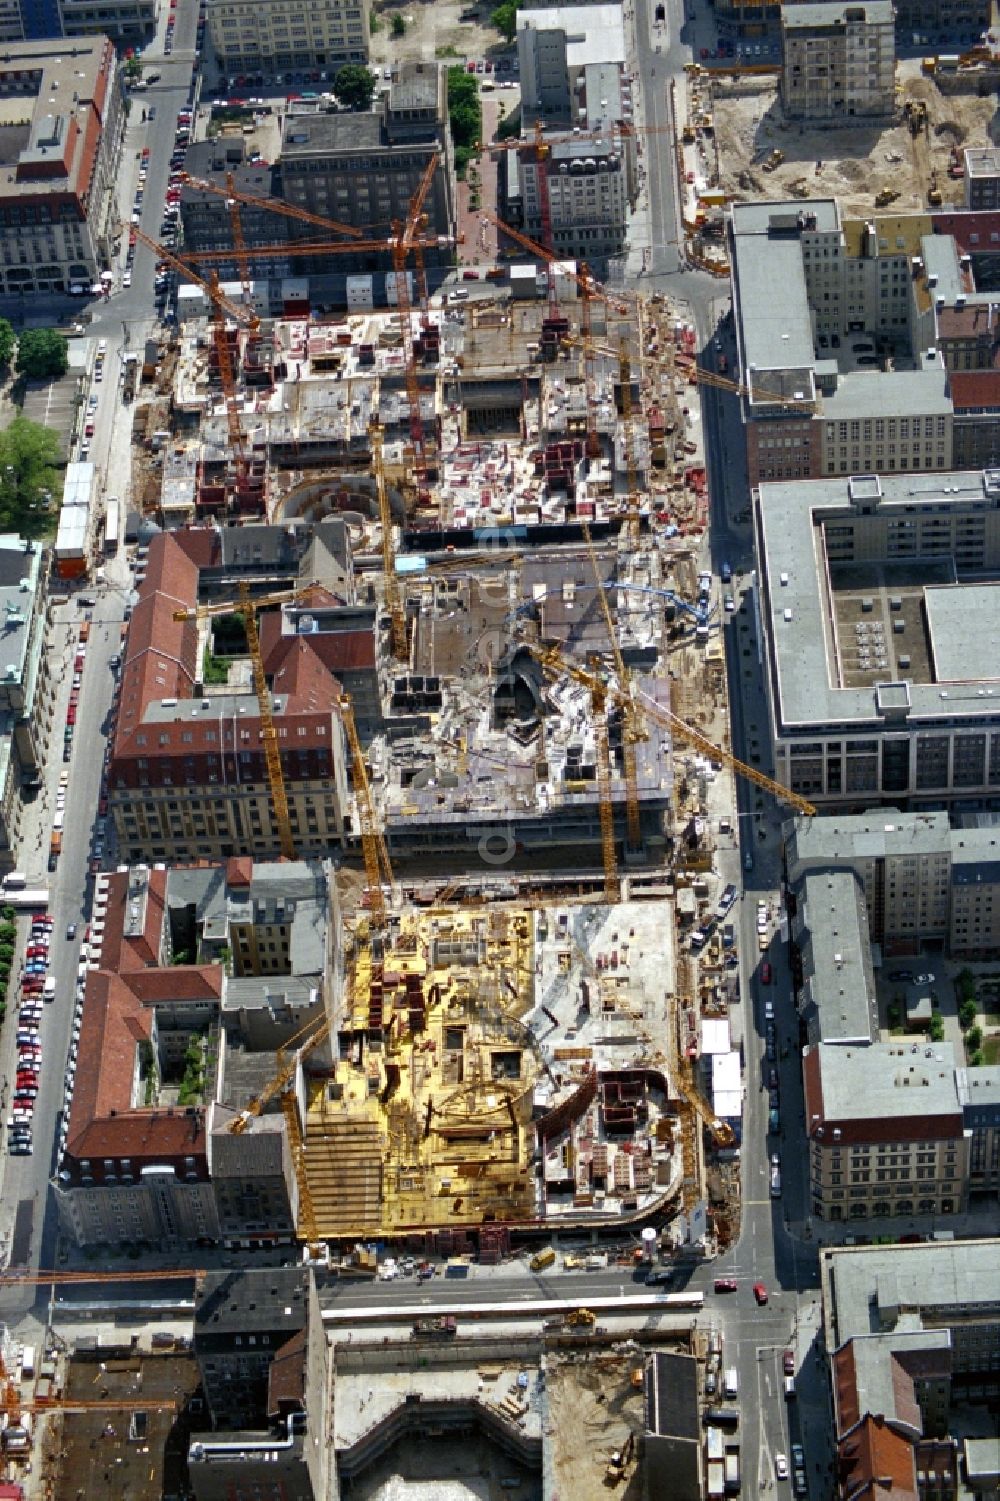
<point>796,604</point>
<point>979,1088</point>
<point>777,331</point>
<point>898,393</point>
<point>964,622</point>
<point>594,33</point>
<point>888,1079</point>
<point>836,953</point>
<point>873,1285</point>
<point>834,13</point>
<point>866,836</point>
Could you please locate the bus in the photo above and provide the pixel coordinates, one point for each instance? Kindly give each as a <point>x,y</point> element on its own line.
<point>111,526</point>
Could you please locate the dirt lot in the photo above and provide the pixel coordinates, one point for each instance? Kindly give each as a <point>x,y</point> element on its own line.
<point>855,164</point>
<point>433,30</point>
<point>99,1455</point>
<point>592,1408</point>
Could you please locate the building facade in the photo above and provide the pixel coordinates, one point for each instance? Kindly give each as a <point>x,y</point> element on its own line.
<point>273,36</point>
<point>982,177</point>
<point>555,46</point>
<point>885,1132</point>
<point>586,182</point>
<point>126,22</point>
<point>58,196</point>
<point>979,1094</point>
<point>838,61</point>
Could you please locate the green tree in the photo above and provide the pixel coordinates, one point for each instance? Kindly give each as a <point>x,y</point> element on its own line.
<point>133,67</point>
<point>504,18</point>
<point>464,114</point>
<point>397,25</point>
<point>8,342</point>
<point>354,86</point>
<point>977,1059</point>
<point>973,1039</point>
<point>374,24</point>
<point>966,1014</point>
<point>936,1029</point>
<point>29,476</point>
<point>42,354</point>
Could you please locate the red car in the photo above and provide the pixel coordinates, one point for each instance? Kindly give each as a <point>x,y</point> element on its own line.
<point>766,974</point>
<point>760,1293</point>
<point>71,714</point>
<point>788,1362</point>
<point>44,921</point>
<point>725,1284</point>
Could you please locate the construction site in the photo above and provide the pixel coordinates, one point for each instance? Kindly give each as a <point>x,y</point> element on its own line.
<point>751,152</point>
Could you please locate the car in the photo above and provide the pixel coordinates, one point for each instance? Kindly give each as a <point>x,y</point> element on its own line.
<point>769,1011</point>
<point>725,1285</point>
<point>660,1279</point>
<point>781,1466</point>
<point>800,1482</point>
<point>788,1364</point>
<point>766,973</point>
<point>729,604</point>
<point>923,980</point>
<point>98,850</point>
<point>774,1120</point>
<point>798,1457</point>
<point>760,1293</point>
<point>772,1078</point>
<point>126,278</point>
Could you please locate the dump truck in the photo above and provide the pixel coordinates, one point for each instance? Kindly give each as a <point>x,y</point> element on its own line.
<point>542,1259</point>
<point>580,1318</point>
<point>443,1327</point>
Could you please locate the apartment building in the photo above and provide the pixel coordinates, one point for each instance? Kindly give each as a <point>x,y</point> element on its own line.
<point>979,1095</point>
<point>65,122</point>
<point>838,61</point>
<point>879,692</point>
<point>276,35</point>
<point>201,975</point>
<point>588,194</point>
<point>264,1362</point>
<point>188,777</point>
<point>555,46</point>
<point>885,1130</point>
<point>27,682</point>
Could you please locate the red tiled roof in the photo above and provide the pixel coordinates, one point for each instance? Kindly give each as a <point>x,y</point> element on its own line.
<point>201,544</point>
<point>181,982</point>
<point>113,1025</point>
<point>146,1136</point>
<point>161,653</point>
<point>875,1460</point>
<point>975,388</point>
<point>974,229</point>
<point>847,1410</point>
<point>974,320</point>
<point>239,870</point>
<point>339,651</point>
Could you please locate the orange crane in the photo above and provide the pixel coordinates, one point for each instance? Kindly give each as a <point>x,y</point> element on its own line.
<point>275,205</point>
<point>628,441</point>
<point>221,305</point>
<point>593,446</point>
<point>617,301</point>
<point>404,240</point>
<point>393,598</point>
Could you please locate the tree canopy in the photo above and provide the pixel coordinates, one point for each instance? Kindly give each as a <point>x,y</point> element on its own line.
<point>354,86</point>
<point>398,25</point>
<point>504,18</point>
<point>30,478</point>
<point>464,114</point>
<point>8,342</point>
<point>42,354</point>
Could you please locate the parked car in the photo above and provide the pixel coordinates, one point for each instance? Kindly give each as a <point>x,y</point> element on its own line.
<point>766,973</point>
<point>760,1293</point>
<point>725,1285</point>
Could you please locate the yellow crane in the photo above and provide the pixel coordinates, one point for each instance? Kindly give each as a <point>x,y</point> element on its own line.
<point>628,440</point>
<point>376,854</point>
<point>393,597</point>
<point>269,734</point>
<point>632,731</point>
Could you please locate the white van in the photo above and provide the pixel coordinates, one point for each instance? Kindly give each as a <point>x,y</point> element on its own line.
<point>731,1383</point>
<point>15,880</point>
<point>49,988</point>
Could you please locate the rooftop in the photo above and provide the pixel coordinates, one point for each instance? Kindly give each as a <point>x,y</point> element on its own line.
<point>839,988</point>
<point>867,836</point>
<point>242,1302</point>
<point>594,33</point>
<point>57,99</point>
<point>982,161</point>
<point>874,1287</point>
<point>837,13</point>
<point>861,1093</point>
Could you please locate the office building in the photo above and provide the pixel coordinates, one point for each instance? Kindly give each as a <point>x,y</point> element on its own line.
<point>264,1362</point>
<point>555,46</point>
<point>838,61</point>
<point>64,124</point>
<point>878,691</point>
<point>270,36</point>
<point>885,1130</point>
<point>979,1095</point>
<point>363,169</point>
<point>126,22</point>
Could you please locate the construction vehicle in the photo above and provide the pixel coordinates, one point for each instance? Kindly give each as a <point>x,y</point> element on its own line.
<point>542,1259</point>
<point>934,197</point>
<point>443,1327</point>
<point>580,1318</point>
<point>619,1462</point>
<point>774,160</point>
<point>885,196</point>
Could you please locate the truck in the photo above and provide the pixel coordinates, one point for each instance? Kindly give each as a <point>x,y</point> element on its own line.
<point>732,1469</point>
<point>731,1381</point>
<point>542,1259</point>
<point>130,373</point>
<point>443,1327</point>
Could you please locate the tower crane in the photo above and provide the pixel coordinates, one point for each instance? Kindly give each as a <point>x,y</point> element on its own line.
<point>593,446</point>
<point>393,598</point>
<point>405,239</point>
<point>376,854</point>
<point>221,305</point>
<point>274,205</point>
<point>628,441</point>
<point>632,731</point>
